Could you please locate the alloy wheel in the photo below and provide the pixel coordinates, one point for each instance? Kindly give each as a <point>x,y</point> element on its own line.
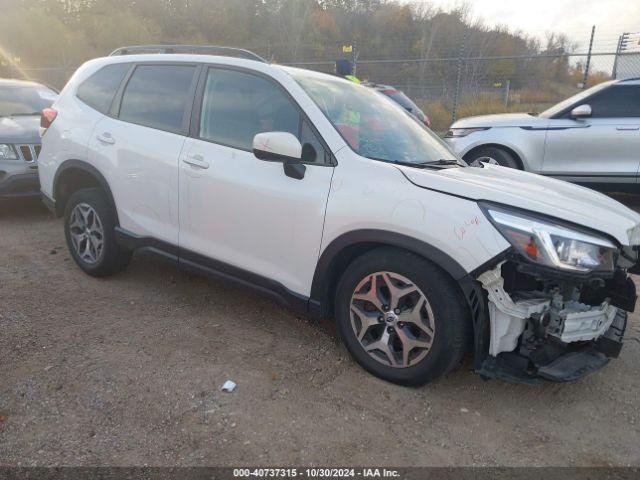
<point>392,319</point>
<point>87,233</point>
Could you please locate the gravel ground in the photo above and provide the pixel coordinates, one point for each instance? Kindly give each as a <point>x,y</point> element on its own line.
<point>127,371</point>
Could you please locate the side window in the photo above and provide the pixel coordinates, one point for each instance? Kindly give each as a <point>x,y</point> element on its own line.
<point>616,102</point>
<point>157,96</point>
<point>236,106</point>
<point>98,90</point>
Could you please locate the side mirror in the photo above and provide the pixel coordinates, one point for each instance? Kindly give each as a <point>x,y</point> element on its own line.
<point>581,111</point>
<point>280,147</point>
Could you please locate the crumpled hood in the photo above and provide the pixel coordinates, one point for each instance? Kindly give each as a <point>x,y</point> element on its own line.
<point>501,120</point>
<point>535,193</point>
<point>20,129</point>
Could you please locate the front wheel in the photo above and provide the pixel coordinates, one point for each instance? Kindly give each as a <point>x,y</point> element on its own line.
<point>500,155</point>
<point>89,226</point>
<point>401,317</point>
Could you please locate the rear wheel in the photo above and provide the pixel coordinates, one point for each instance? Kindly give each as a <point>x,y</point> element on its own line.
<point>401,317</point>
<point>500,155</point>
<point>89,224</point>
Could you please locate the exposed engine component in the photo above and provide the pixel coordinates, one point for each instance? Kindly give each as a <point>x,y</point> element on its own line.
<point>579,322</point>
<point>507,317</point>
<point>553,308</point>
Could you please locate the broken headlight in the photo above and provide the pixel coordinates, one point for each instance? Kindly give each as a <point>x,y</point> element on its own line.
<point>553,245</point>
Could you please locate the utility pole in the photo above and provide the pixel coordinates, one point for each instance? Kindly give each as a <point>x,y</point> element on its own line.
<point>588,64</point>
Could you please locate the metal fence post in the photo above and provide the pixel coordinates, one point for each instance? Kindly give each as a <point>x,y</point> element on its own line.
<point>355,58</point>
<point>588,64</point>
<point>456,94</point>
<point>507,89</point>
<point>614,73</point>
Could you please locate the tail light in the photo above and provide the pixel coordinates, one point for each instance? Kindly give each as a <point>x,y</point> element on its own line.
<point>47,116</point>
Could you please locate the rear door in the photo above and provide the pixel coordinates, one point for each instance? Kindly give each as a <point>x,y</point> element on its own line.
<point>138,148</point>
<point>240,214</point>
<point>603,148</point>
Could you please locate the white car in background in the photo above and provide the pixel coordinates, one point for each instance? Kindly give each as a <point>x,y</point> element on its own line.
<point>592,138</point>
<point>335,201</point>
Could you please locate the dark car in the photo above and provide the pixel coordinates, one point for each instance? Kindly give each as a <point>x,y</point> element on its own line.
<point>401,99</point>
<point>20,105</point>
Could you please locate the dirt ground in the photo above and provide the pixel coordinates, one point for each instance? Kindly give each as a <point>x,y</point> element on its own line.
<point>127,371</point>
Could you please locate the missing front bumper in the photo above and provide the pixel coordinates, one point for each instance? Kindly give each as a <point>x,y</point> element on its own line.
<point>559,362</point>
<point>545,333</point>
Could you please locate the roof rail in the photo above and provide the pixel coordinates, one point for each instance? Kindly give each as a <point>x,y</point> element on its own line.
<point>194,49</point>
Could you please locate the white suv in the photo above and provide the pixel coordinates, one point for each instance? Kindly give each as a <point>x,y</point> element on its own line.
<point>592,138</point>
<point>332,199</point>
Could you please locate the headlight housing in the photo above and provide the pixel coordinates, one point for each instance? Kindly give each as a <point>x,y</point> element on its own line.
<point>7,152</point>
<point>553,245</point>
<point>463,132</point>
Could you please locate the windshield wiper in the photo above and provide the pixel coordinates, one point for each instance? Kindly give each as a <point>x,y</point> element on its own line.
<point>441,161</point>
<point>30,114</point>
<point>426,164</point>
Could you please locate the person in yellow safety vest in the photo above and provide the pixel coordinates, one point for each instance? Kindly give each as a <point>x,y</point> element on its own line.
<point>349,121</point>
<point>344,68</point>
<point>353,79</point>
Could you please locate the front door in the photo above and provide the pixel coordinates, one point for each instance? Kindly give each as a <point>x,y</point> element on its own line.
<point>602,148</point>
<point>238,211</point>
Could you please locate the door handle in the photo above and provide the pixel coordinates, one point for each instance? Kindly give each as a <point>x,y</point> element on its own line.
<point>627,128</point>
<point>196,161</point>
<point>106,138</point>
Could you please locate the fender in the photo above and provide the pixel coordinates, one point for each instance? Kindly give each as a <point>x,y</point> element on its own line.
<point>328,266</point>
<point>91,170</point>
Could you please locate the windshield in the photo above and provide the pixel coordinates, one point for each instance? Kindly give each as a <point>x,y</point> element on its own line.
<point>373,126</point>
<point>576,99</point>
<point>24,99</point>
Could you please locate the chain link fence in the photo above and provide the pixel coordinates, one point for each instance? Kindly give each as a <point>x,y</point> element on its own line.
<point>468,83</point>
<point>471,79</point>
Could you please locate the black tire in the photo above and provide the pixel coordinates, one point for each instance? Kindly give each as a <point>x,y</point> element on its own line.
<point>500,155</point>
<point>452,320</point>
<point>112,258</point>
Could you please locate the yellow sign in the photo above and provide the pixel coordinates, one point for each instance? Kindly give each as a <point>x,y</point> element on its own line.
<point>347,48</point>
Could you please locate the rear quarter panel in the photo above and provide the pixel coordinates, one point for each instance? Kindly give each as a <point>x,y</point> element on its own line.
<point>68,137</point>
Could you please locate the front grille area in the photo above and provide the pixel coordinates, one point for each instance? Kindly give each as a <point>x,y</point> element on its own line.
<point>29,153</point>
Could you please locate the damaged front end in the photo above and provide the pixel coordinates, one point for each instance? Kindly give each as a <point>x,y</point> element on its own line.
<point>554,306</point>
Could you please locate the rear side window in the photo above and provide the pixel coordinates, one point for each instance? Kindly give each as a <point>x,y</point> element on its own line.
<point>616,102</point>
<point>158,96</point>
<point>100,88</point>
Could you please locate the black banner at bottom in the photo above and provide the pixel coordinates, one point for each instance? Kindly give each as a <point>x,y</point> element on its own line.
<point>408,473</point>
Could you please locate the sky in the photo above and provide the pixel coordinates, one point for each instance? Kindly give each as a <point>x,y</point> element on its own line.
<point>573,17</point>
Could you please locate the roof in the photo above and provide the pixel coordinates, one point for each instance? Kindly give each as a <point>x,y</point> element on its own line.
<point>189,49</point>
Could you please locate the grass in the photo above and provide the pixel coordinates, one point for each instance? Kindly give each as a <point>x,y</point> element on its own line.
<point>486,103</point>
